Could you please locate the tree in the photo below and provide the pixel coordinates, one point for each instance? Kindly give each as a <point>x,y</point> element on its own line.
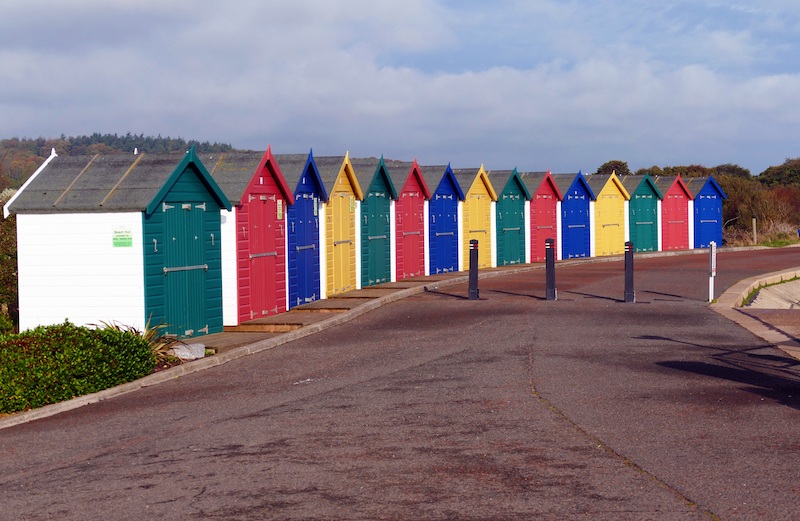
<point>616,166</point>
<point>786,174</point>
<point>734,170</point>
<point>688,171</point>
<point>9,301</point>
<point>653,171</point>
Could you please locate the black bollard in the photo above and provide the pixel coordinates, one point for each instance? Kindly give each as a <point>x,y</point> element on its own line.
<point>474,293</point>
<point>550,269</point>
<point>630,294</point>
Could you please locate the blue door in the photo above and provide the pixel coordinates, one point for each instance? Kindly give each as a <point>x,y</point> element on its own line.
<point>707,218</point>
<point>575,224</point>
<point>304,260</point>
<point>443,231</point>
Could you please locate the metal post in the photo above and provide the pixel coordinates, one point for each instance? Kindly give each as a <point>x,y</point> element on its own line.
<point>712,269</point>
<point>630,294</point>
<point>550,268</point>
<point>755,235</point>
<point>474,293</point>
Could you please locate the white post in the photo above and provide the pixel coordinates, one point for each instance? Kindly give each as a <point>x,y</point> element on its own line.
<point>712,269</point>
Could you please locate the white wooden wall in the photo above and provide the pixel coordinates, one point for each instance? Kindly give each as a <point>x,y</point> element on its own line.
<point>69,269</point>
<point>230,284</point>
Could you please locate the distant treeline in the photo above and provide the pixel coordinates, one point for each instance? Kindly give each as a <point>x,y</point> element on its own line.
<point>19,157</point>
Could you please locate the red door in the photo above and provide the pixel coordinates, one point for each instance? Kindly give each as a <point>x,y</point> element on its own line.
<point>675,221</point>
<point>266,256</point>
<point>543,223</point>
<point>410,231</point>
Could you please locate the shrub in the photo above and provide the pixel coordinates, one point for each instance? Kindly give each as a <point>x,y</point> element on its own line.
<point>6,324</point>
<point>50,364</point>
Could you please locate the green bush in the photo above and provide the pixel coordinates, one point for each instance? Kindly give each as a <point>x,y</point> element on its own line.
<point>6,324</point>
<point>50,364</point>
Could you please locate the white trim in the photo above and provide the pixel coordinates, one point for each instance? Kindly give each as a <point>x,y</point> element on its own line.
<point>658,223</point>
<point>592,234</point>
<point>559,235</point>
<point>461,233</point>
<point>286,252</point>
<point>527,218</point>
<point>323,250</point>
<point>392,240</point>
<point>493,233</point>
<point>230,272</point>
<point>358,243</point>
<point>626,218</point>
<point>33,176</point>
<point>426,236</point>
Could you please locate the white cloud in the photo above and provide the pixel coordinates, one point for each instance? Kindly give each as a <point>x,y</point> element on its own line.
<point>528,84</point>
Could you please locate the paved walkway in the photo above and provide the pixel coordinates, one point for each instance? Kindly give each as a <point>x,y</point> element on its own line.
<point>438,407</point>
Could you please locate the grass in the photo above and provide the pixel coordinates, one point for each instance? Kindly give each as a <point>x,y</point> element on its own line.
<point>754,292</point>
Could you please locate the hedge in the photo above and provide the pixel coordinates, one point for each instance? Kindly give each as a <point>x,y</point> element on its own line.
<point>50,364</point>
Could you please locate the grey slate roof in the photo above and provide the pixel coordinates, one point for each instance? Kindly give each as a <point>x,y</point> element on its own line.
<point>695,184</point>
<point>465,177</point>
<point>292,167</point>
<point>233,171</point>
<point>108,183</point>
<point>500,179</point>
<point>329,167</point>
<point>533,180</point>
<point>664,182</point>
<point>399,172</point>
<point>365,168</point>
<point>631,182</point>
<point>564,181</point>
<point>597,181</point>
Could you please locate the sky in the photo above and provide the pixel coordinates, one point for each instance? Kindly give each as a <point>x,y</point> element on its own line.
<point>564,85</point>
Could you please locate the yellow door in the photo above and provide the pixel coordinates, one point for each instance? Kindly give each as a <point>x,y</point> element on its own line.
<point>477,225</point>
<point>610,222</point>
<point>341,265</point>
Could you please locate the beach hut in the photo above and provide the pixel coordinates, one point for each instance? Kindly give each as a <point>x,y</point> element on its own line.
<point>128,239</point>
<point>708,196</point>
<point>610,214</point>
<point>443,221</point>
<point>576,215</point>
<point>409,217</point>
<point>341,265</point>
<point>643,211</point>
<point>303,227</point>
<point>376,221</point>
<point>511,232</point>
<point>676,225</point>
<point>253,234</point>
<point>543,213</point>
<point>478,214</point>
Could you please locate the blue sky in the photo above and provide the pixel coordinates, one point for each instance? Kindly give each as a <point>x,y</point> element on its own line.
<point>565,85</point>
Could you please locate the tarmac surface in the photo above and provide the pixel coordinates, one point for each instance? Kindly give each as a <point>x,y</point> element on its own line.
<point>434,406</point>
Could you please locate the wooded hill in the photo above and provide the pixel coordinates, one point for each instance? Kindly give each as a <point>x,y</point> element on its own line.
<point>19,158</point>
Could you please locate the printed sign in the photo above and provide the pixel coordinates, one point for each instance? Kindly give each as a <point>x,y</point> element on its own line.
<point>122,237</point>
<point>280,209</point>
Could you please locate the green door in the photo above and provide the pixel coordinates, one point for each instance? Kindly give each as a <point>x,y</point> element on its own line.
<point>510,229</point>
<point>375,240</point>
<point>185,269</point>
<point>643,221</point>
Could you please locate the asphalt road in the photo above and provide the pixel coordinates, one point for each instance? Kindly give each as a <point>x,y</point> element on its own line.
<point>440,407</point>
